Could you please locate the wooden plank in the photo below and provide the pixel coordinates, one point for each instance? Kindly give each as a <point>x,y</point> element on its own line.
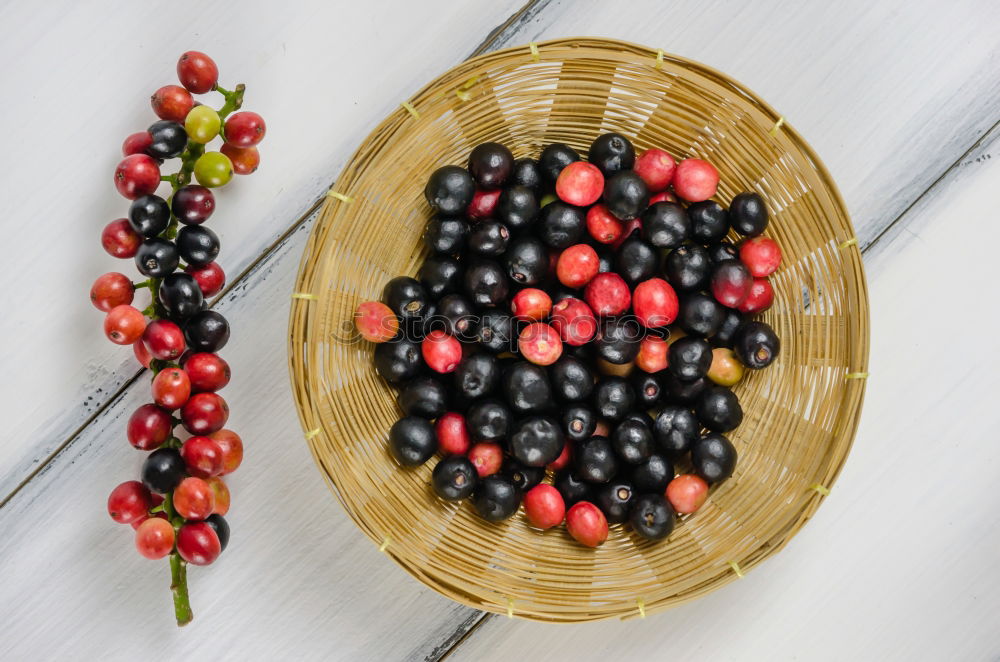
<point>900,563</point>
<point>322,74</point>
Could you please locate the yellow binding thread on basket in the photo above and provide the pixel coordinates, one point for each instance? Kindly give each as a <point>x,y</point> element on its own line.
<point>853,241</point>
<point>385,544</point>
<point>641,604</point>
<point>510,607</point>
<point>535,55</point>
<point>777,126</point>
<point>410,109</point>
<point>659,59</point>
<point>822,489</point>
<point>304,295</point>
<point>463,95</point>
<point>339,196</point>
<point>856,375</point>
<point>736,568</point>
<point>312,433</point>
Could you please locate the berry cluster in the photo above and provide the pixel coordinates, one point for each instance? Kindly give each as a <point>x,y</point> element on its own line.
<point>575,321</point>
<point>177,508</point>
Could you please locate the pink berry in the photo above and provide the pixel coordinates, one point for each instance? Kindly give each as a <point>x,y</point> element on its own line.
<point>587,524</point>
<point>577,265</point>
<point>124,324</point>
<point>531,304</point>
<point>562,461</point>
<point>486,457</point>
<point>129,501</point>
<point>602,225</point>
<point>164,340</point>
<point>686,493</point>
<point>375,321</point>
<point>544,506</point>
<point>662,196</point>
<point>574,321</point>
<point>761,255</point>
<point>154,538</point>
<point>110,290</point>
<point>652,356</point>
<point>759,299</point>
<point>441,351</point>
<point>172,102</point>
<point>655,303</point>
<point>695,180</point>
<point>119,239</point>
<point>452,435</point>
<point>608,294</point>
<point>580,183</point>
<point>656,168</point>
<point>539,343</point>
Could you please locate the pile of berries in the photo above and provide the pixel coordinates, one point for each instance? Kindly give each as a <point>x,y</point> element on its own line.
<point>574,335</point>
<point>177,508</point>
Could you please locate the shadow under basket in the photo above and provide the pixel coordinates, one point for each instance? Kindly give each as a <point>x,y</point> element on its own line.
<point>801,413</point>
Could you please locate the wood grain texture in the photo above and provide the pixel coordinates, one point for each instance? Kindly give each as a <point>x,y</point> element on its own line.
<point>84,84</point>
<point>889,95</point>
<point>900,562</point>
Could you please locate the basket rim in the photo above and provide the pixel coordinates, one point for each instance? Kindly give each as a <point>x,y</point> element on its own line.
<point>858,346</point>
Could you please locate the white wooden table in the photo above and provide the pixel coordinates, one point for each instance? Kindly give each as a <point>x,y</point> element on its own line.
<point>901,98</point>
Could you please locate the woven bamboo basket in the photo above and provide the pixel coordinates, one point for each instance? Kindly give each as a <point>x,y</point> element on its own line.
<point>801,413</point>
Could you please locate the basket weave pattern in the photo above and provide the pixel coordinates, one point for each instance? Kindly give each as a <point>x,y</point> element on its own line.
<point>801,413</point>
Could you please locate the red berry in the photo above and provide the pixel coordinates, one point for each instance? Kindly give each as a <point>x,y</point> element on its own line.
<point>164,340</point>
<point>202,456</point>
<point>154,538</point>
<point>484,202</point>
<point>761,255</point>
<point>244,129</point>
<point>539,343</point>
<point>141,353</point>
<point>172,102</point>
<point>686,493</point>
<point>375,321</point>
<point>560,462</point>
<point>587,524</point>
<point>194,499</point>
<point>580,183</point>
<point>760,298</point>
<point>441,352</point>
<point>197,72</point>
<point>531,304</point>
<point>662,196</point>
<point>148,427</point>
<point>452,435</point>
<point>731,283</point>
<point>198,544</point>
<point>244,159</point>
<point>574,321</point>
<point>695,180</point>
<point>602,225</point>
<point>486,457</point>
<point>129,501</point>
<point>207,371</point>
<point>652,355</point>
<point>607,294</point>
<point>602,429</point>
<point>119,239</point>
<point>232,450</point>
<point>137,143</point>
<point>221,492</point>
<point>544,506</point>
<point>137,175</point>
<point>110,290</point>
<point>577,265</point>
<point>171,388</point>
<point>655,303</point>
<point>204,413</point>
<point>656,168</point>
<point>210,278</point>
<point>124,325</point>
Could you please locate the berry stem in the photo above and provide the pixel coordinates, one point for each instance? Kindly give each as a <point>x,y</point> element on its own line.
<point>234,100</point>
<point>178,570</point>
